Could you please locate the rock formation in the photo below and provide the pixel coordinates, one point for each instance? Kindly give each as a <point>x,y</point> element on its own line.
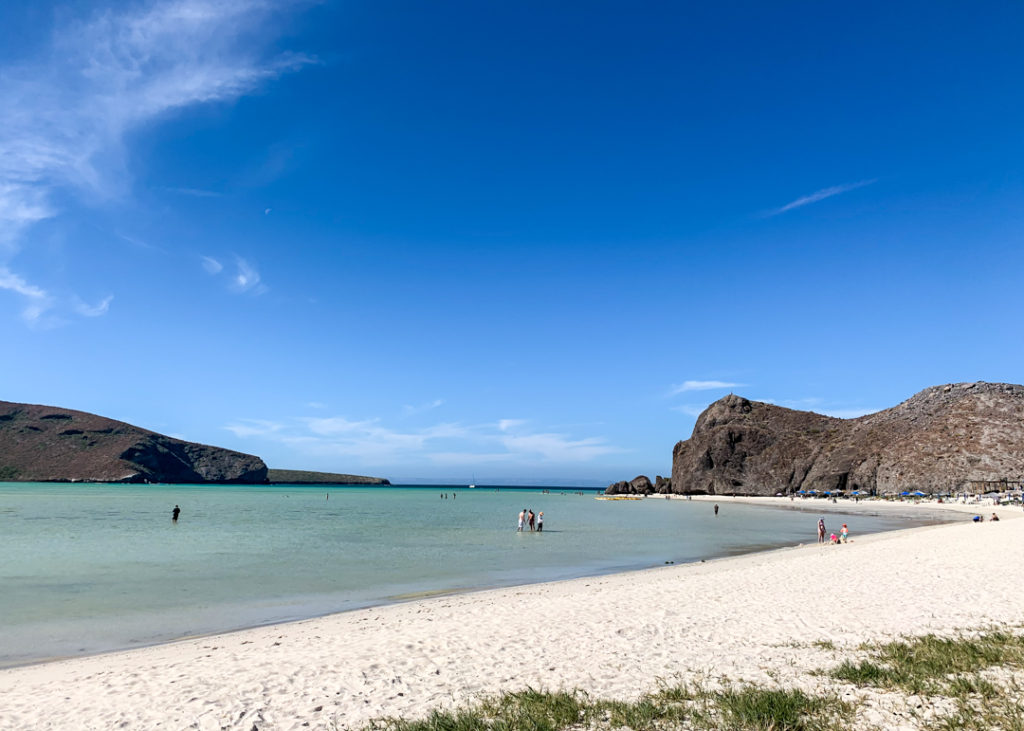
<point>46,444</point>
<point>639,485</point>
<point>303,477</point>
<point>939,440</point>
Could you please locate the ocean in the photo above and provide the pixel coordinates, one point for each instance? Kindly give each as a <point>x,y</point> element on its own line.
<point>91,568</point>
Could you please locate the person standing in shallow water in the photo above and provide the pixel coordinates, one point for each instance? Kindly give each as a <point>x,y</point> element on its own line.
<point>821,530</point>
<point>716,509</point>
<point>175,513</point>
<point>531,518</point>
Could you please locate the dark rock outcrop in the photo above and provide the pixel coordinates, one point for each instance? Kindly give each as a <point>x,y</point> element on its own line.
<point>50,444</point>
<point>937,441</point>
<point>303,477</point>
<point>639,485</point>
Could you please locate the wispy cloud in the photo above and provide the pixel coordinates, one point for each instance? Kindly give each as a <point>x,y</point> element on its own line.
<point>254,427</point>
<point>246,278</point>
<point>65,116</point>
<point>370,440</point>
<point>690,409</point>
<point>410,410</point>
<point>211,265</point>
<point>702,386</point>
<point>12,282</point>
<point>195,192</point>
<point>820,195</point>
<point>553,447</point>
<point>39,301</point>
<point>510,424</point>
<point>100,308</point>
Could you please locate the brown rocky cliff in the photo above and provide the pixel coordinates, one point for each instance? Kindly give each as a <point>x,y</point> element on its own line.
<point>47,443</point>
<point>937,441</point>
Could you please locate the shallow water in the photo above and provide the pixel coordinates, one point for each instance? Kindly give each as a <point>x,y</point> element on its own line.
<point>90,568</point>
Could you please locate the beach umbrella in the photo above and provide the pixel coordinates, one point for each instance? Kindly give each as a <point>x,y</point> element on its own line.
<point>919,494</point>
<point>801,492</point>
<point>855,492</point>
<point>904,493</point>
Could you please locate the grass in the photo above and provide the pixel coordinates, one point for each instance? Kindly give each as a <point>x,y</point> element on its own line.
<point>934,665</point>
<point>744,708</point>
<point>952,667</point>
<point>755,708</point>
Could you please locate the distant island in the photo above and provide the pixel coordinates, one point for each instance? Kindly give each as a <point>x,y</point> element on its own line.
<point>946,438</point>
<point>54,444</point>
<point>303,477</point>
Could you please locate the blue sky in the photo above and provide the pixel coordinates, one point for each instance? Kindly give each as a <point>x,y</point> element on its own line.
<point>516,241</point>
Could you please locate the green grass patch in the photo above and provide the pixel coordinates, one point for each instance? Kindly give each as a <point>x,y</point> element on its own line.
<point>752,708</point>
<point>951,667</point>
<point>936,665</point>
<point>745,708</point>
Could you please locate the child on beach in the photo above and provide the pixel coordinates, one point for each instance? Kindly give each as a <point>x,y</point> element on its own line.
<point>821,530</point>
<point>844,533</point>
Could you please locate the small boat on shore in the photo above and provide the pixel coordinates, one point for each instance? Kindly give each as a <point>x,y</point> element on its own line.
<point>619,497</point>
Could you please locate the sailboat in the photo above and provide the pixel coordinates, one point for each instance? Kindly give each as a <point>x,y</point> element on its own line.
<point>472,485</point>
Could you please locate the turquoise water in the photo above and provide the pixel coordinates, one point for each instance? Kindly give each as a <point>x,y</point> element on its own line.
<point>90,568</point>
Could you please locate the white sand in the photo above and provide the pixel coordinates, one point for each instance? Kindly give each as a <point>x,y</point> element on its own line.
<point>746,618</point>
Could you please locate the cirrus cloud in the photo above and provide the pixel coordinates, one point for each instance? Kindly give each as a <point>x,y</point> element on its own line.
<point>66,112</point>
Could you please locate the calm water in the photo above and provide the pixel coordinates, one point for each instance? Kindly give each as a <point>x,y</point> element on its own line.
<point>88,568</point>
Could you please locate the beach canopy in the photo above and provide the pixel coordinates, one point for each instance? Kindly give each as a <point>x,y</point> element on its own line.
<point>855,492</point>
<point>904,493</point>
<point>920,494</point>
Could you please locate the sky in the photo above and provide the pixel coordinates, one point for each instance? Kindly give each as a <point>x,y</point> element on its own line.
<point>509,241</point>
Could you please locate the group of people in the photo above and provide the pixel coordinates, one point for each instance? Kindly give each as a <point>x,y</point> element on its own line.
<point>844,533</point>
<point>536,522</point>
<point>979,519</point>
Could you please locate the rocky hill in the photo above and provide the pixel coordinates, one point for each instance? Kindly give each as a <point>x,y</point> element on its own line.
<point>937,441</point>
<point>46,443</point>
<point>304,477</point>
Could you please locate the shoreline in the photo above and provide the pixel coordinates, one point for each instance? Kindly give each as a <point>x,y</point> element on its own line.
<point>748,617</point>
<point>920,521</point>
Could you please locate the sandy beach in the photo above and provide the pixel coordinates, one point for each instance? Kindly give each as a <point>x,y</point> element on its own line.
<point>748,618</point>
